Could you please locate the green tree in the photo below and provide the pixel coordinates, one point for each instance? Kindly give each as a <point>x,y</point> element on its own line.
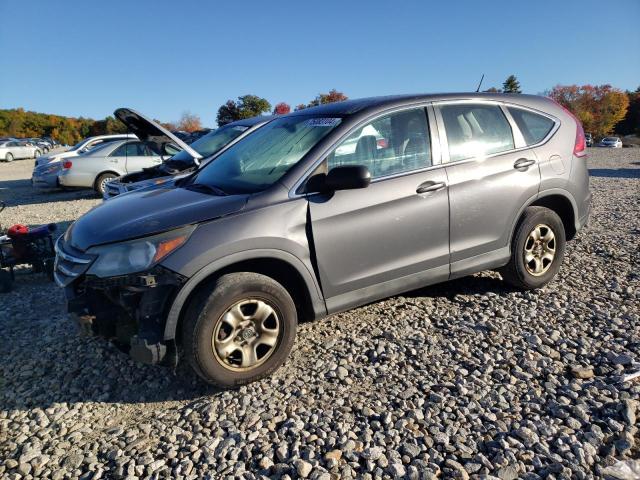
<point>246,106</point>
<point>227,113</point>
<point>511,85</point>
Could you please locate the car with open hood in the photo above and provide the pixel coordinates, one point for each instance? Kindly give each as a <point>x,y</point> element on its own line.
<point>97,167</point>
<point>185,162</point>
<point>323,210</point>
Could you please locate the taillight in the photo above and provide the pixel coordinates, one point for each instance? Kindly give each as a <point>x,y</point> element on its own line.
<point>67,164</point>
<point>580,145</point>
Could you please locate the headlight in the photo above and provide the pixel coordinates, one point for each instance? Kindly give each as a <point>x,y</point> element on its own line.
<point>136,255</point>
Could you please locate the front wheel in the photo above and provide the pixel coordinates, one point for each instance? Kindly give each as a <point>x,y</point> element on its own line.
<point>8,157</point>
<point>240,330</point>
<point>537,249</point>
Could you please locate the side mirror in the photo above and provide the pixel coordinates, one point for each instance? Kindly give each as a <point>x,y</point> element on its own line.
<point>348,177</point>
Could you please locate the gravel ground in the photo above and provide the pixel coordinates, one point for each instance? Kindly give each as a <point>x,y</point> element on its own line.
<point>467,379</point>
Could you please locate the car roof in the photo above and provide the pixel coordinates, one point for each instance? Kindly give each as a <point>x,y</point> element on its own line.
<point>349,107</point>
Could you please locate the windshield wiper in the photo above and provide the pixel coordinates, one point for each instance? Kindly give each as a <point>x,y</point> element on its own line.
<point>203,187</point>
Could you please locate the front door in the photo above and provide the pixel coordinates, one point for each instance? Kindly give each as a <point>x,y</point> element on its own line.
<point>393,235</point>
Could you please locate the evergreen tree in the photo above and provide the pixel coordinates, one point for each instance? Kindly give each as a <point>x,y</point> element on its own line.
<point>511,85</point>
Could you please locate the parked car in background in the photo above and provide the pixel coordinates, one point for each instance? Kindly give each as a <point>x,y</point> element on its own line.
<point>183,162</point>
<point>11,150</point>
<point>45,175</point>
<point>589,138</point>
<point>287,226</point>
<point>81,147</point>
<point>102,164</point>
<point>611,142</point>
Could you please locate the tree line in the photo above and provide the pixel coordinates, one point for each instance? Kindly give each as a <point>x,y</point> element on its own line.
<point>602,109</point>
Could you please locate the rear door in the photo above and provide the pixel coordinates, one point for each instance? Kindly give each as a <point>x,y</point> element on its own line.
<point>139,156</point>
<point>393,235</point>
<point>491,175</point>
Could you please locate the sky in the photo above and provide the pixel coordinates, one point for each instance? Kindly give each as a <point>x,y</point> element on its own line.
<point>87,58</point>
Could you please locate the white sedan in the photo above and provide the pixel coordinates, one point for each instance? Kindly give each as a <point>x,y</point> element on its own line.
<point>11,150</point>
<point>611,142</point>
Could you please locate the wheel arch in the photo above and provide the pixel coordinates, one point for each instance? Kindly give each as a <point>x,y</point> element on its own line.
<point>557,200</point>
<point>281,266</point>
<point>95,181</point>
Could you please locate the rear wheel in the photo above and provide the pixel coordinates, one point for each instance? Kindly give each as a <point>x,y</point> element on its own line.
<point>37,153</point>
<point>537,249</point>
<point>8,157</point>
<point>240,330</point>
<point>101,182</point>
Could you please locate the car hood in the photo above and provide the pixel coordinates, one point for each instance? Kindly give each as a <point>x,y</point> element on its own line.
<point>142,213</point>
<point>150,132</point>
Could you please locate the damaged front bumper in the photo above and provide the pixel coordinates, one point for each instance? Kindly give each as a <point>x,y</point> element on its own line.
<point>129,310</point>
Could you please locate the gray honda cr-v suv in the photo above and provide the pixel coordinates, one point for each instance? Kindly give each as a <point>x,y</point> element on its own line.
<point>323,210</point>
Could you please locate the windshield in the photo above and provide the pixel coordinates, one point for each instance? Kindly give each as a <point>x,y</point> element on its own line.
<point>611,139</point>
<point>211,142</point>
<point>262,158</point>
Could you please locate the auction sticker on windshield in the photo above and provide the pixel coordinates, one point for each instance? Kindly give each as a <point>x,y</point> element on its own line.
<point>323,122</point>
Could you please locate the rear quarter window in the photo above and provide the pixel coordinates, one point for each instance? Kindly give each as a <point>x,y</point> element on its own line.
<point>534,127</point>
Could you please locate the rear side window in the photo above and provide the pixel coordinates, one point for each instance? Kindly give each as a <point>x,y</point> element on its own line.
<point>133,149</point>
<point>534,127</point>
<point>475,130</point>
<point>389,145</point>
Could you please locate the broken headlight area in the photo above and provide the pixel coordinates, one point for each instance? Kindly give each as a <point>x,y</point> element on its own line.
<point>130,310</point>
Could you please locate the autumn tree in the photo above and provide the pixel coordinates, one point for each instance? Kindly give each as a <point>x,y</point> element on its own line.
<point>322,98</point>
<point>511,85</point>
<point>631,121</point>
<point>281,108</point>
<point>599,107</point>
<point>189,122</point>
<point>246,106</point>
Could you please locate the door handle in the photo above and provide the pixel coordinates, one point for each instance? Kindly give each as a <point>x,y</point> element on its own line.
<point>523,163</point>
<point>430,186</point>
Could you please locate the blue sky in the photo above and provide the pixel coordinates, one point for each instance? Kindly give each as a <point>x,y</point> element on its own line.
<point>165,57</point>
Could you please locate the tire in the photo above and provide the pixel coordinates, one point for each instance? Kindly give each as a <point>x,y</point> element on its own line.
<point>102,180</point>
<point>6,281</point>
<point>545,255</point>
<point>212,312</point>
<point>37,153</point>
<point>8,157</point>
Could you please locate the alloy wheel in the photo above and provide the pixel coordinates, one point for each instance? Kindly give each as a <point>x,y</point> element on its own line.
<point>539,250</point>
<point>246,334</point>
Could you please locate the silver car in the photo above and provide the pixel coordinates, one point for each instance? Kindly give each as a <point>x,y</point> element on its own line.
<point>611,142</point>
<point>83,146</point>
<point>11,150</point>
<point>95,168</point>
<point>292,224</point>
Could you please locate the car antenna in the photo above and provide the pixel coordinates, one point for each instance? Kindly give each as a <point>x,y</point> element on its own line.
<point>480,84</point>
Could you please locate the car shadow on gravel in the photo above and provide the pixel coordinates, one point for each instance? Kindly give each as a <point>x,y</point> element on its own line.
<point>479,284</point>
<point>20,192</point>
<point>615,172</point>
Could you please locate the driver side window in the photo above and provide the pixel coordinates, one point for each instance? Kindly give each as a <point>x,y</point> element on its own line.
<point>391,144</point>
